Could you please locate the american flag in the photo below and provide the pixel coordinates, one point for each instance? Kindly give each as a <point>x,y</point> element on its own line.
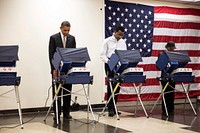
<point>148,29</point>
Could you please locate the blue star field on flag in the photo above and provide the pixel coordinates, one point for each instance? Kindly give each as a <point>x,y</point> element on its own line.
<point>138,21</point>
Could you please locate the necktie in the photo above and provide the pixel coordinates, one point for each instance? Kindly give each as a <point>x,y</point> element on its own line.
<point>64,41</point>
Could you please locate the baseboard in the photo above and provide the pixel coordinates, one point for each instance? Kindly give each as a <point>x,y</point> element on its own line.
<point>95,107</point>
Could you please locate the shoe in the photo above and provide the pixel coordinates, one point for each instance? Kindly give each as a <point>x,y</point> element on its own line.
<point>54,118</point>
<point>111,114</point>
<point>119,113</point>
<point>67,116</point>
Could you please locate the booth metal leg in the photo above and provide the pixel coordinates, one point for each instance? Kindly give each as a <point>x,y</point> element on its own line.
<point>186,92</point>
<point>111,96</point>
<point>19,105</point>
<point>139,98</point>
<point>56,100</point>
<point>88,103</point>
<point>162,94</point>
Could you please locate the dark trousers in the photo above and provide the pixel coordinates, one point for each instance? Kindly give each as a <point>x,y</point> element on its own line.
<point>110,74</point>
<point>169,97</point>
<point>66,99</point>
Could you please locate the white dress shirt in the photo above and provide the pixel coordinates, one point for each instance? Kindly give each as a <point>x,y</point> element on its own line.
<point>109,46</point>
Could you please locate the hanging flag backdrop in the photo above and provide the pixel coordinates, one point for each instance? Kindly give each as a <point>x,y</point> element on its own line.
<point>148,29</point>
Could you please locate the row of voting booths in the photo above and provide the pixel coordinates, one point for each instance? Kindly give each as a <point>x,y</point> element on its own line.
<point>71,64</point>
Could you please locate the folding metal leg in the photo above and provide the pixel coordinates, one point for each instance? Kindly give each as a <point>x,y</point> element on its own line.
<point>56,100</point>
<point>88,103</point>
<point>186,93</point>
<point>111,96</point>
<point>161,94</point>
<point>139,98</point>
<point>19,105</point>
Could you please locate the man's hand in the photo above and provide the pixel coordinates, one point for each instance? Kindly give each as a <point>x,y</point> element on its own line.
<point>55,74</point>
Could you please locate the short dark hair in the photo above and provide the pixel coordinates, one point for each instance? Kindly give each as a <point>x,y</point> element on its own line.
<point>170,44</point>
<point>65,23</point>
<point>121,28</point>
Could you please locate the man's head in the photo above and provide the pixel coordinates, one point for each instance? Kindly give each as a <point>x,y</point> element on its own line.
<point>170,46</point>
<point>65,28</point>
<point>119,32</point>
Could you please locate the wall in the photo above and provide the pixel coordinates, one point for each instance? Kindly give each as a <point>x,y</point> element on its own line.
<point>29,24</point>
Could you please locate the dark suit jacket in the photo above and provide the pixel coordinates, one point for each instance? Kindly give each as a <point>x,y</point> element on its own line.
<point>56,41</point>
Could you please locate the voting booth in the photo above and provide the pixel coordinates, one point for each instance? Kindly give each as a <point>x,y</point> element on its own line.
<point>71,65</point>
<point>8,73</point>
<point>172,65</point>
<point>124,64</point>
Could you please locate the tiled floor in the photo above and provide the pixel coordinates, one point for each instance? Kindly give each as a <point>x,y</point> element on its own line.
<point>180,122</point>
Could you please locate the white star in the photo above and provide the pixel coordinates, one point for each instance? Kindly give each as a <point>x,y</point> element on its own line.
<point>134,10</point>
<point>109,7</point>
<point>142,11</point>
<point>141,31</point>
<point>118,19</point>
<point>114,23</point>
<point>130,15</point>
<point>141,40</point>
<point>149,31</point>
<point>125,30</point>
<point>148,41</point>
<point>114,13</point>
<point>129,44</point>
<point>149,50</point>
<point>144,45</point>
<point>122,24</point>
<point>142,21</point>
<point>140,50</point>
<point>137,35</point>
<point>138,15</point>
<point>145,26</point>
<point>133,30</point>
<point>138,25</point>
<point>126,20</point>
<point>126,10</point>
<point>149,22</point>
<point>122,14</point>
<point>146,16</point>
<point>133,40</point>
<point>145,36</point>
<point>129,35</point>
<point>137,45</point>
<point>110,28</point>
<point>129,25</point>
<point>109,18</point>
<point>118,9</point>
<point>125,39</point>
<point>150,12</point>
<point>134,20</point>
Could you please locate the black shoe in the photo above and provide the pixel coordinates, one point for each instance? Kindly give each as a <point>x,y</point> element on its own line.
<point>54,118</point>
<point>111,114</point>
<point>119,113</point>
<point>67,117</point>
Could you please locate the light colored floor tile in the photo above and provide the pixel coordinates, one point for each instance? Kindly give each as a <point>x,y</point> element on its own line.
<point>35,127</point>
<point>138,124</point>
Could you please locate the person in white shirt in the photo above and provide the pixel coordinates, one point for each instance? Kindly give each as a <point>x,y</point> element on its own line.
<point>110,44</point>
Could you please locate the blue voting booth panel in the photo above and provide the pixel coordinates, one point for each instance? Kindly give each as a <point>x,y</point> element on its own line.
<point>8,58</point>
<point>123,59</point>
<point>65,59</point>
<point>168,62</point>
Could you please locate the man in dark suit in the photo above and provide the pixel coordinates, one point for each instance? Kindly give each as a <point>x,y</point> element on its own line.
<point>63,40</point>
